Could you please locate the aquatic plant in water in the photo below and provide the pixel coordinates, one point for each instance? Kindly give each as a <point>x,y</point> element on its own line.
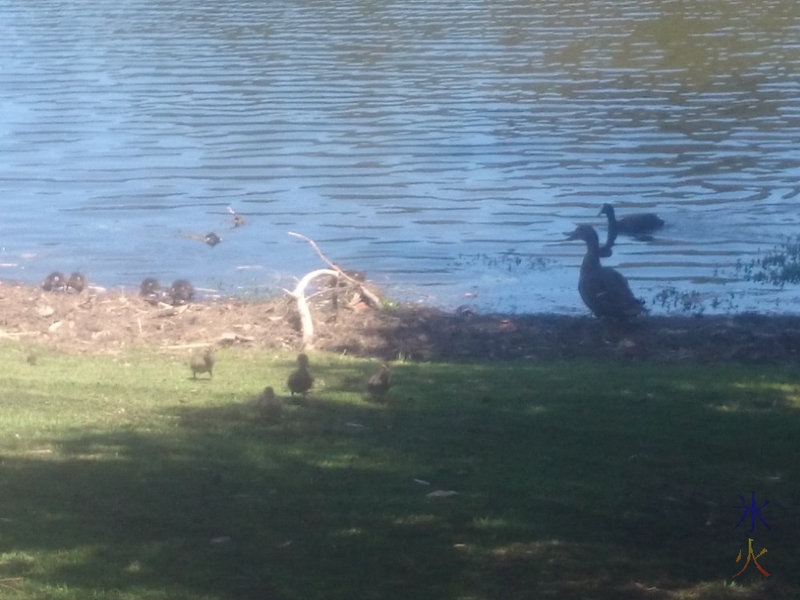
<point>778,266</point>
<point>694,302</point>
<point>510,260</point>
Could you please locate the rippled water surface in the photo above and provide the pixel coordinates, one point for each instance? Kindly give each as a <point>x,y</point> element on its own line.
<point>445,148</point>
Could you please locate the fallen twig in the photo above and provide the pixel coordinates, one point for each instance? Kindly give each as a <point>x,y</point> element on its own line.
<point>17,335</point>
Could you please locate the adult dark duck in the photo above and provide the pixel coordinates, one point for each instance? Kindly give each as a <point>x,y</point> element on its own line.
<point>638,224</point>
<point>604,291</point>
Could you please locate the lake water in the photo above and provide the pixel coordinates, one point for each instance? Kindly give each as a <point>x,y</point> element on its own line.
<point>444,147</point>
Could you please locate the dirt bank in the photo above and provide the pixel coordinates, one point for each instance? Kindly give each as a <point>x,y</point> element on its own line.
<point>99,321</point>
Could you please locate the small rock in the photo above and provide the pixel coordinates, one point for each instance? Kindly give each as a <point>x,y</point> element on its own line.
<point>45,310</point>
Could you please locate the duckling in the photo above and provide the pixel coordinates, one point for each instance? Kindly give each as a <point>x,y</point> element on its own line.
<point>180,292</point>
<point>202,362</point>
<point>212,239</point>
<point>150,289</point>
<point>636,224</point>
<point>300,381</point>
<point>55,282</point>
<point>269,405</point>
<point>604,291</point>
<point>76,282</point>
<point>380,382</point>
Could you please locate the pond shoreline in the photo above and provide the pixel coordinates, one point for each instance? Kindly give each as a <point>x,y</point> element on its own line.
<point>111,322</point>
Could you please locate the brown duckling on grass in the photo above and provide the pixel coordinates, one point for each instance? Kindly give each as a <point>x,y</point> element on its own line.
<point>300,381</point>
<point>202,362</point>
<point>380,382</point>
<point>269,406</point>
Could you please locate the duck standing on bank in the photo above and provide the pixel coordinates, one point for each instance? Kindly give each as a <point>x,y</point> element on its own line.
<point>300,381</point>
<point>76,282</point>
<point>180,292</point>
<point>604,291</point>
<point>54,282</point>
<point>150,290</point>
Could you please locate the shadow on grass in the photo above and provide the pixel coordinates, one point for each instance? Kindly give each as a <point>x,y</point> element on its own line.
<point>572,481</point>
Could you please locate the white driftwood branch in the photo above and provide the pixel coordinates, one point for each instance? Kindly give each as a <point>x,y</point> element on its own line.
<point>299,294</point>
<point>373,298</point>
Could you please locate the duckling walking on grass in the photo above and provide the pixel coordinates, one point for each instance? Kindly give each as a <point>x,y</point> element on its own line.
<point>269,406</point>
<point>202,362</point>
<point>300,381</point>
<point>380,382</point>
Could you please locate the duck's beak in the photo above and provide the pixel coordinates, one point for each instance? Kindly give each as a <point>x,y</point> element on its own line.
<point>572,236</point>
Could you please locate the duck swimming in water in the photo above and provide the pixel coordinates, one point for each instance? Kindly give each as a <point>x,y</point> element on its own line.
<point>212,239</point>
<point>639,224</point>
<point>603,290</point>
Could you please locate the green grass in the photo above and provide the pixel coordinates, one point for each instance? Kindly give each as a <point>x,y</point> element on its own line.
<point>123,478</point>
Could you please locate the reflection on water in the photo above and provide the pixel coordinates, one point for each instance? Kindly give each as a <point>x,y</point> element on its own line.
<point>445,148</point>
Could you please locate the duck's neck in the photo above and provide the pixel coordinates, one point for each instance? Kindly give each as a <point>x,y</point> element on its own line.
<point>611,236</point>
<point>612,226</point>
<point>592,257</point>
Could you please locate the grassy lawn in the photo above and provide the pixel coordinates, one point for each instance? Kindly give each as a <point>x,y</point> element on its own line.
<point>123,478</point>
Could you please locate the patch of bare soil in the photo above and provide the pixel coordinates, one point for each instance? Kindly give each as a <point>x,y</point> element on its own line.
<point>109,322</point>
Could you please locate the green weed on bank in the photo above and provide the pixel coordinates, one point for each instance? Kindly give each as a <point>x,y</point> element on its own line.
<point>124,478</point>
